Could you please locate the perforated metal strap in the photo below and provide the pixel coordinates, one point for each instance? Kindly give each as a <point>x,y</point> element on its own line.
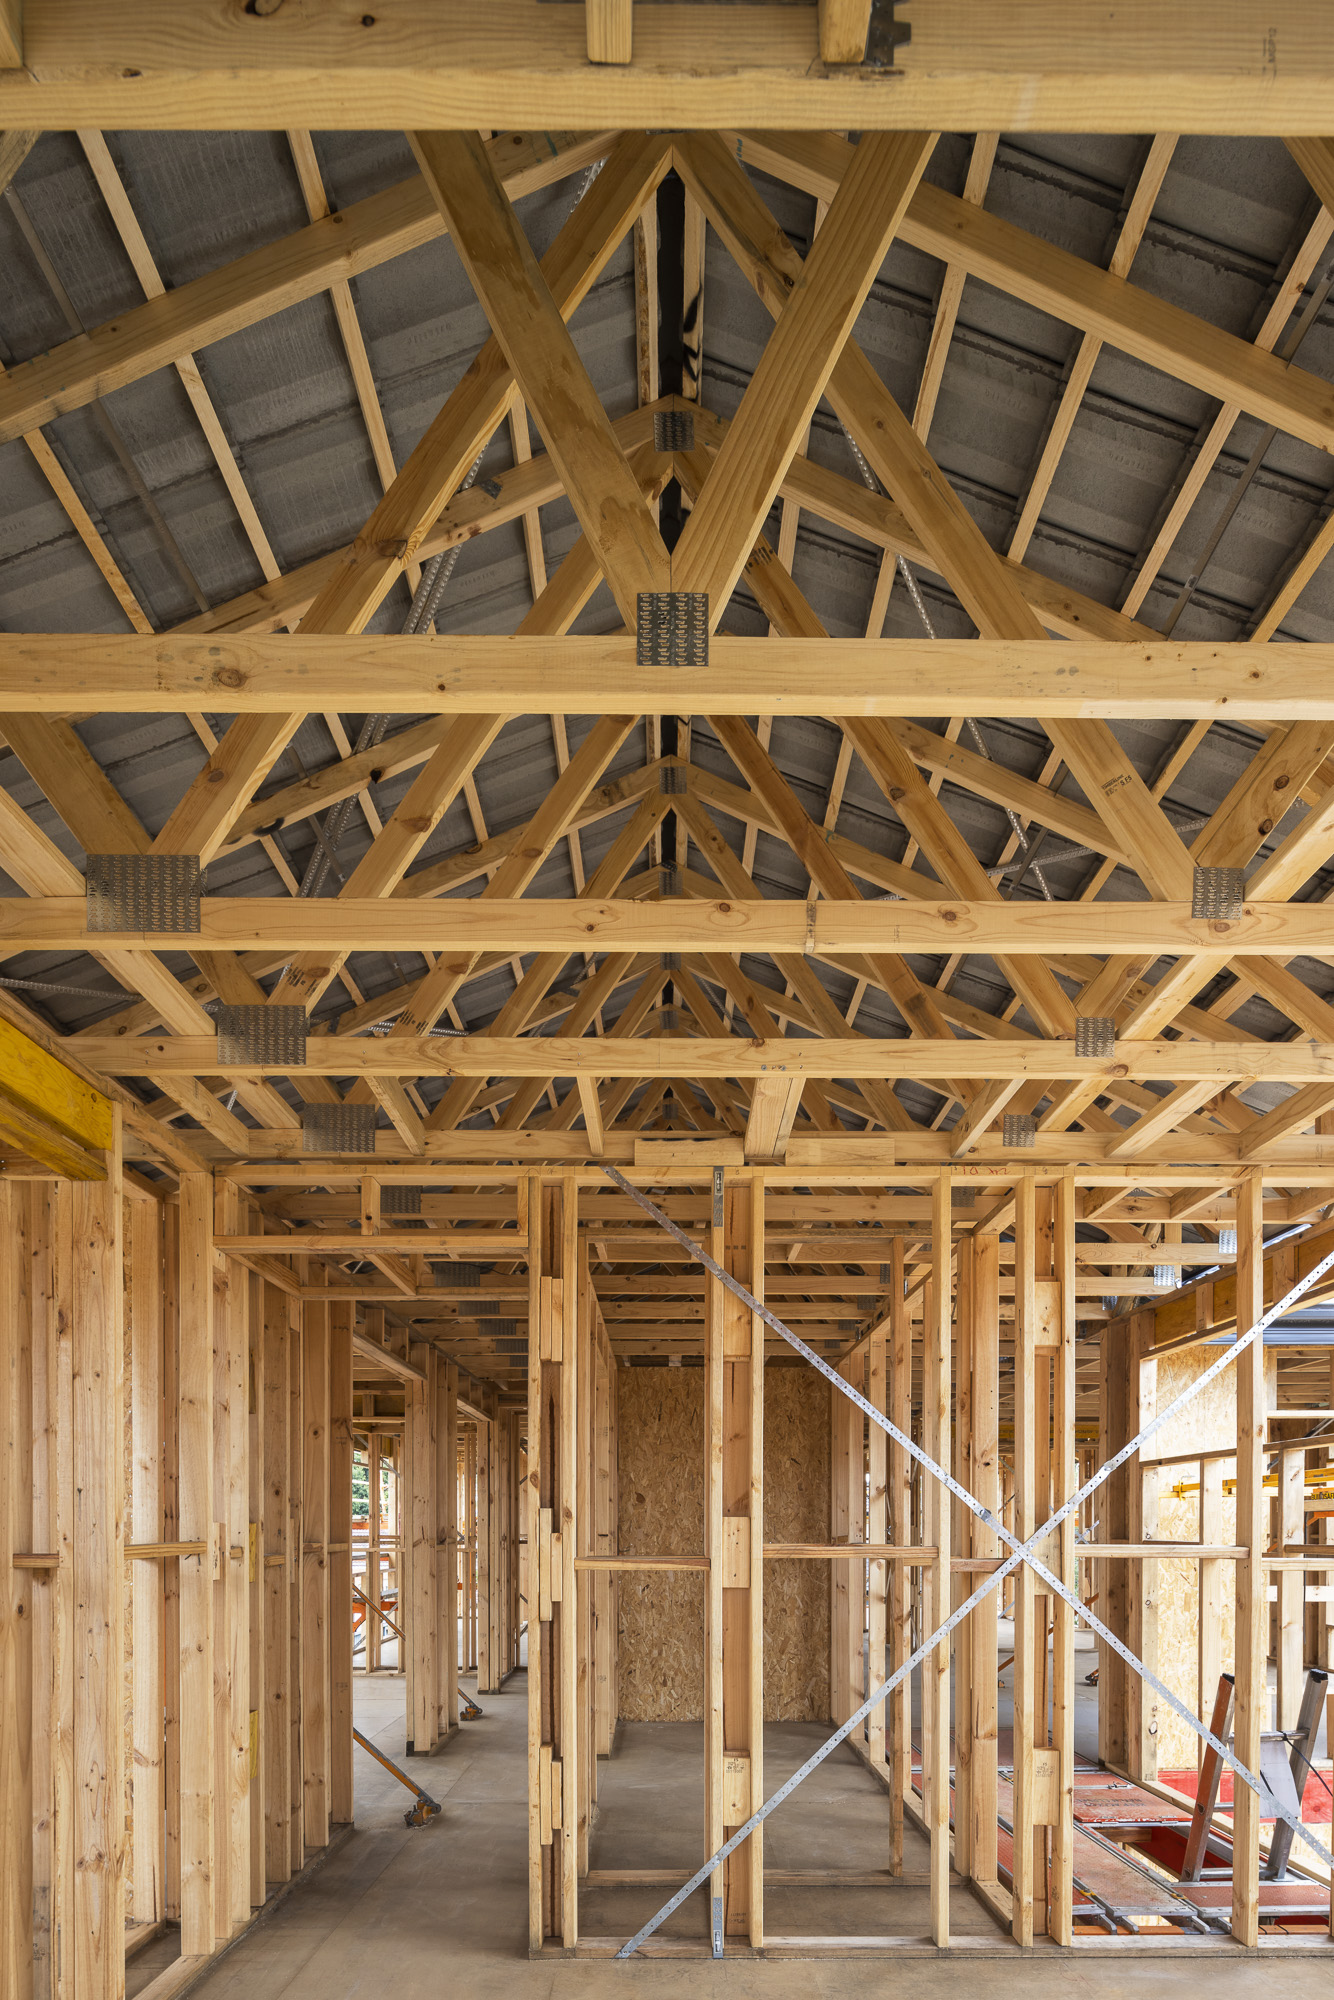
<point>1021,1551</point>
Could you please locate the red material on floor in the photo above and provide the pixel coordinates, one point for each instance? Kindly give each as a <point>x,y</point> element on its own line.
<point>1316,1799</point>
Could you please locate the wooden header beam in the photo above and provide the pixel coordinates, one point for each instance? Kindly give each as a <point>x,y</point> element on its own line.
<point>459,674</point>
<point>1146,65</point>
<point>346,924</point>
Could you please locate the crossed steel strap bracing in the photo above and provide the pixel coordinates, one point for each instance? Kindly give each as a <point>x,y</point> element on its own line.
<point>1020,1552</point>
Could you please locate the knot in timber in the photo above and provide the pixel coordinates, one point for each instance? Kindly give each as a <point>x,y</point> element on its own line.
<point>229,677</point>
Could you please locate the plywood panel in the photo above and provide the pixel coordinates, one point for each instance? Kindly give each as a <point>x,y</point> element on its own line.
<point>661,1505</point>
<point>796,1509</point>
<point>1209,1421</point>
<point>660,1496</point>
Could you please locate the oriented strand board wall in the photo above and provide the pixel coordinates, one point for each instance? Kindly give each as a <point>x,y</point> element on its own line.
<point>661,1496</point>
<point>796,1509</point>
<point>660,1478</point>
<point>1209,1421</point>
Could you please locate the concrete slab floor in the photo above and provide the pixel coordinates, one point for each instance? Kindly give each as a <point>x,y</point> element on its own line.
<point>442,1909</point>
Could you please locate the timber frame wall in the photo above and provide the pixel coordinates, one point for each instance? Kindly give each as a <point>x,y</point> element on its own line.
<point>178,1508</point>
<point>176,1440</point>
<point>933,1363</point>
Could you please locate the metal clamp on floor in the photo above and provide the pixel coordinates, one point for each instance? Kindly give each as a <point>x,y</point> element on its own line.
<point>426,1807</point>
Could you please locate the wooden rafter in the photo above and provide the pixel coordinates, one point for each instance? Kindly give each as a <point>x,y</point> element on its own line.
<point>1070,289</point>
<point>528,316</point>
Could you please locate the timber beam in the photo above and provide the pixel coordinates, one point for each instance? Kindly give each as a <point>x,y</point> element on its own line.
<point>734,1056</point>
<point>969,67</point>
<point>269,674</point>
<point>347,923</point>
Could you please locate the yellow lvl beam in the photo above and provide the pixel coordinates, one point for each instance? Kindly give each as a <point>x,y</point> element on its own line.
<point>50,1113</point>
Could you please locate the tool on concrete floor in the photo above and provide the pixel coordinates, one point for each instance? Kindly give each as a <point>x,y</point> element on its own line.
<point>425,1808</point>
<point>469,1712</point>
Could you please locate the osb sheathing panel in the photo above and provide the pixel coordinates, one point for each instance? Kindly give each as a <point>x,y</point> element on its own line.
<point>1209,1422</point>
<point>661,1499</point>
<point>796,1509</point>
<point>660,1491</point>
